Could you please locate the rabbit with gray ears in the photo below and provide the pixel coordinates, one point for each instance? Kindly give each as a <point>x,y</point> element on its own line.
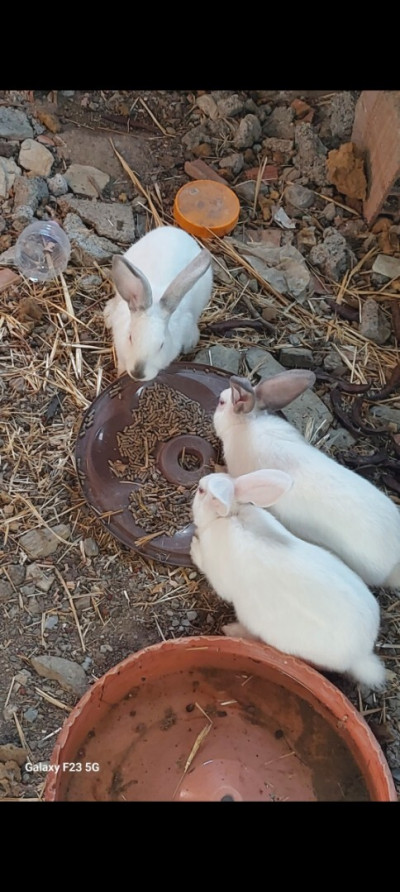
<point>163,282</point>
<point>293,595</point>
<point>328,504</point>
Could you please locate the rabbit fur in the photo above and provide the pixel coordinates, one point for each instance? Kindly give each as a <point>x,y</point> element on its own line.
<point>328,504</point>
<point>163,282</point>
<point>292,594</point>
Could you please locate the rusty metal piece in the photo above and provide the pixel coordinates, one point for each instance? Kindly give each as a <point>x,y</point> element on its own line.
<point>396,319</point>
<point>343,310</point>
<point>358,420</point>
<point>220,327</point>
<point>392,482</point>
<point>345,386</point>
<point>393,383</point>
<point>341,413</point>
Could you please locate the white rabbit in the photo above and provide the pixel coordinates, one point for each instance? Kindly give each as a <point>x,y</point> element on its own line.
<point>163,282</point>
<point>328,504</point>
<point>293,595</point>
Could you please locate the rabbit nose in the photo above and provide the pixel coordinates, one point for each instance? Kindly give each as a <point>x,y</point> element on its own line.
<point>138,372</point>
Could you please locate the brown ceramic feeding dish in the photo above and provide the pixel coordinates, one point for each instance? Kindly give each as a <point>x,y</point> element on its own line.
<point>216,719</point>
<point>97,449</point>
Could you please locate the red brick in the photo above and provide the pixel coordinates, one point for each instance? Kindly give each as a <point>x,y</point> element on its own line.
<point>376,132</point>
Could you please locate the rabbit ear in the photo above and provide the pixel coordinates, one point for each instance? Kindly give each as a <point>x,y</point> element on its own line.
<point>243,397</point>
<point>279,391</point>
<point>220,489</point>
<point>131,284</point>
<point>262,488</point>
<point>184,281</point>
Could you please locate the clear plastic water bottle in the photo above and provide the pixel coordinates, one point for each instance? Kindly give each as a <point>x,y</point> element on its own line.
<point>42,251</point>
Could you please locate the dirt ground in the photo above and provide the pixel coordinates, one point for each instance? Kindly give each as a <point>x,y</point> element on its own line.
<point>92,600</point>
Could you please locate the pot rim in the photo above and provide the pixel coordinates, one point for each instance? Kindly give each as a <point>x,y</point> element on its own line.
<point>347,721</point>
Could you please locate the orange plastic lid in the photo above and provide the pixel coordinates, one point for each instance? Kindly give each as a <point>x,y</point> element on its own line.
<point>206,208</point>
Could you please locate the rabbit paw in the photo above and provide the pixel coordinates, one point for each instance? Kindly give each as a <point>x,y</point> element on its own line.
<point>237,630</point>
<point>195,552</point>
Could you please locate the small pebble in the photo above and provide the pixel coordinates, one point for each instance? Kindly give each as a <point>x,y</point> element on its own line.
<point>51,622</point>
<point>91,547</point>
<point>31,714</point>
<point>191,615</point>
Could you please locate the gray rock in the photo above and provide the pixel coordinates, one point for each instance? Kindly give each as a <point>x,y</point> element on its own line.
<point>340,438</point>
<point>69,675</point>
<point>281,218</point>
<point>3,224</point>
<point>208,106</point>
<point>387,266</point>
<point>86,180</point>
<point>14,124</point>
<point>341,111</point>
<point>296,358</point>
<point>16,573</point>
<point>57,185</point>
<point>41,543</point>
<point>221,357</point>
<point>87,284</point>
<point>246,191</point>
<point>114,221</point>
<point>329,212</point>
<point>284,268</point>
<point>306,406</point>
<point>280,123</point>
<point>298,197</point>
<point>248,132</point>
<point>67,93</point>
<point>234,162</point>
<point>333,255</point>
<point>311,154</point>
<point>230,106</point>
<point>86,247</point>
<point>374,324</point>
<point>195,137</point>
<point>333,362</point>
<point>82,603</point>
<point>22,217</point>
<point>6,590</point>
<point>91,547</point>
<point>30,192</point>
<point>378,281</point>
<point>386,413</point>
<point>105,648</point>
<point>36,158</point>
<point>41,580</point>
<point>8,148</point>
<point>30,715</point>
<point>28,591</point>
<point>306,238</point>
<point>23,677</point>
<point>192,615</point>
<point>8,171</point>
<point>51,622</point>
<point>273,144</point>
<point>274,277</point>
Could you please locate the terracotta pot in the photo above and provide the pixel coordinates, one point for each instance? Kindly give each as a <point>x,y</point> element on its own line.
<point>211,718</point>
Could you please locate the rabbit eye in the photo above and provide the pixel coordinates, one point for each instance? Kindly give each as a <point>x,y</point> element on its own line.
<point>222,402</point>
<point>200,490</point>
<point>130,338</point>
